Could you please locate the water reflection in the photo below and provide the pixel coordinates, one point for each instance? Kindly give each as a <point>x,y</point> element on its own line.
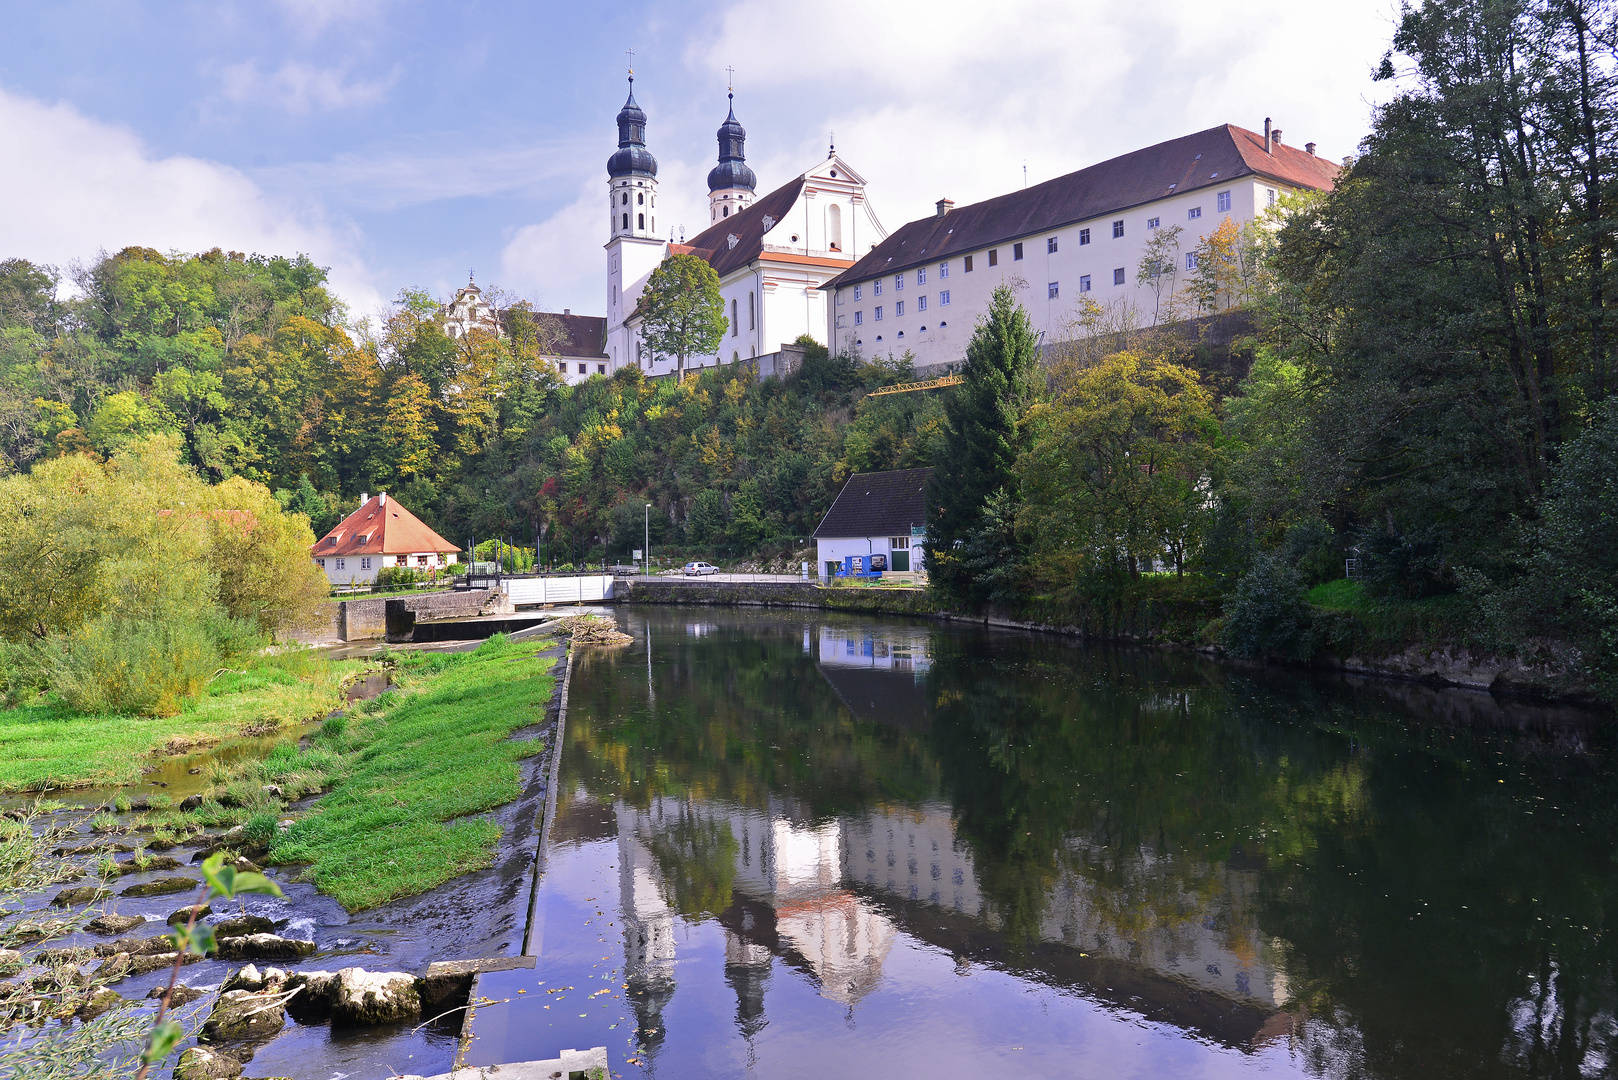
<point>1312,876</point>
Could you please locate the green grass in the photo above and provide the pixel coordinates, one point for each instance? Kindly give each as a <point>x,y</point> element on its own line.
<point>417,765</point>
<point>1339,595</point>
<point>45,745</point>
<point>1363,621</point>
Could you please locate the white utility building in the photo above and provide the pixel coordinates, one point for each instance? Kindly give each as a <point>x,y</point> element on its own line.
<point>876,514</point>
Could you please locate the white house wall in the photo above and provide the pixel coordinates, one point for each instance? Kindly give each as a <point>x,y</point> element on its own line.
<point>940,333</point>
<point>839,548</point>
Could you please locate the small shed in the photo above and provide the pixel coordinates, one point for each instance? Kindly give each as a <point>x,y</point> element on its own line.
<point>876,514</point>
<point>381,533</point>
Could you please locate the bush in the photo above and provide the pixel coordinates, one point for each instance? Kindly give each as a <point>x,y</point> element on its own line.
<point>1268,614</point>
<point>393,576</point>
<point>145,666</point>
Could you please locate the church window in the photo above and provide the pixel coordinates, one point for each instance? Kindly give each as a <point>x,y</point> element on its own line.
<point>626,198</point>
<point>626,221</point>
<point>654,224</point>
<point>1053,290</point>
<point>752,312</point>
<point>735,357</point>
<point>1050,246</point>
<point>640,198</point>
<point>640,221</point>
<point>921,303</point>
<point>1016,252</point>
<point>1224,201</point>
<point>834,227</point>
<point>735,327</point>
<point>859,318</point>
<point>921,275</point>
<point>994,256</point>
<point>1118,276</point>
<point>1117,229</point>
<point>943,298</point>
<point>1084,283</point>
<point>1084,237</point>
<point>898,309</point>
<point>943,269</point>
<point>879,313</point>
<point>726,212</point>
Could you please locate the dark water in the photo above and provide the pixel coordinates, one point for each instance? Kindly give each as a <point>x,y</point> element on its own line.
<point>837,847</point>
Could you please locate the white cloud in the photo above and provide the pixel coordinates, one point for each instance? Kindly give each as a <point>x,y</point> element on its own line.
<point>301,88</point>
<point>74,185</point>
<point>550,263</point>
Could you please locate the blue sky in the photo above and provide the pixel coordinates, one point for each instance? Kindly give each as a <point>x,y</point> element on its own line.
<point>403,143</point>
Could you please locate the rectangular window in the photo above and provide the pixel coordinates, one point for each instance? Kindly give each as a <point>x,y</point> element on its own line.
<point>943,298</point>
<point>943,269</point>
<point>1194,213</point>
<point>582,369</point>
<point>1084,237</point>
<point>1016,252</point>
<point>321,563</point>
<point>898,283</point>
<point>1050,246</point>
<point>601,369</point>
<point>858,290</point>
<point>898,309</point>
<point>876,288</point>
<point>401,560</point>
<point>1052,291</point>
<point>921,275</point>
<point>1084,282</point>
<point>921,303</point>
<point>1152,222</point>
<point>1117,229</point>
<point>1224,201</point>
<point>1190,260</point>
<point>839,320</point>
<point>1118,276</point>
<point>879,313</point>
<point>968,261</point>
<point>339,564</point>
<point>1272,196</point>
<point>859,318</point>
<point>994,256</point>
<point>899,543</point>
<point>365,563</point>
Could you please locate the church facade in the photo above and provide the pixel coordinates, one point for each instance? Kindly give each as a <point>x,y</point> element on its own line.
<point>773,253</point>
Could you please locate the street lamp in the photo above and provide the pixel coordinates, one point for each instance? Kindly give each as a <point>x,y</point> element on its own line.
<point>646,570</point>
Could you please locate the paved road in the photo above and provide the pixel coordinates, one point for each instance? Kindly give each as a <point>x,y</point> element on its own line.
<point>720,579</point>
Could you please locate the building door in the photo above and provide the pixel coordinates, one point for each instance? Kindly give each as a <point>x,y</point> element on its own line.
<point>899,549</point>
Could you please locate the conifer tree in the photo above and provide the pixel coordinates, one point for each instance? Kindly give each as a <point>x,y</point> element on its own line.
<point>980,448</point>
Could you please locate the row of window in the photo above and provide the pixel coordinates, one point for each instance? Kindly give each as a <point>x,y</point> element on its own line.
<point>900,335</point>
<point>898,309</point>
<point>752,316</point>
<point>399,560</point>
<point>584,369</point>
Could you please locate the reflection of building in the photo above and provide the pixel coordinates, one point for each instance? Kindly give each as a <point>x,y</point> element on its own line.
<point>883,649</point>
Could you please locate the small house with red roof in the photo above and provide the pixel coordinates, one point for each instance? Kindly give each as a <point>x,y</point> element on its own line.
<point>379,534</point>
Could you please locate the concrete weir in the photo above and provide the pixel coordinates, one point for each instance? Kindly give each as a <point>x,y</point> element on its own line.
<point>571,1064</point>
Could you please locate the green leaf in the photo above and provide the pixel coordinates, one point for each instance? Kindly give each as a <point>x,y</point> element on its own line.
<point>161,1042</point>
<point>198,939</point>
<point>224,881</point>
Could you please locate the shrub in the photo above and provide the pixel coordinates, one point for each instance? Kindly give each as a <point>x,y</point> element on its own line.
<point>144,666</point>
<point>392,576</point>
<point>1267,614</point>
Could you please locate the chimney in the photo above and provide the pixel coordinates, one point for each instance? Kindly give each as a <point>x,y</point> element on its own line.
<point>365,497</point>
<point>382,499</point>
<point>945,206</point>
<point>1276,135</point>
<point>569,311</point>
<point>1267,135</point>
<point>1309,148</point>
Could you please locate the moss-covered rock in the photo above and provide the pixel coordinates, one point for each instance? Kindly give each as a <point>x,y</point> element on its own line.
<point>243,1016</point>
<point>208,1063</point>
<point>83,894</point>
<point>374,997</point>
<point>113,924</point>
<point>264,947</point>
<point>162,886</point>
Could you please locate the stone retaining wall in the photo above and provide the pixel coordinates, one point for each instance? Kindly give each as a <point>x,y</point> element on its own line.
<point>786,594</point>
<point>364,619</point>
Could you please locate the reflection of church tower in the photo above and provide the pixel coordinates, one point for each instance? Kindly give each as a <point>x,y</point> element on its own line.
<point>747,971</point>
<point>731,182</point>
<point>649,949</point>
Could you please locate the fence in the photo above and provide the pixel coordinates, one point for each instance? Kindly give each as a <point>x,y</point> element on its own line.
<point>570,589</point>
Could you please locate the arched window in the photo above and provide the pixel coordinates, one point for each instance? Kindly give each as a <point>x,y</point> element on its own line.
<point>735,327</point>
<point>834,227</point>
<point>726,212</point>
<point>640,221</point>
<point>626,221</point>
<point>626,198</point>
<point>752,315</point>
<point>736,357</point>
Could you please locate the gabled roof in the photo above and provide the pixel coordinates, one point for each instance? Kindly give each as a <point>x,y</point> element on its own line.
<point>582,335</point>
<point>1206,159</point>
<point>380,527</point>
<point>878,504</point>
<point>713,245</point>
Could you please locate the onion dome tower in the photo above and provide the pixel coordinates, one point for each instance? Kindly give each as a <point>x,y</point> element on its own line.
<point>632,175</point>
<point>731,182</point>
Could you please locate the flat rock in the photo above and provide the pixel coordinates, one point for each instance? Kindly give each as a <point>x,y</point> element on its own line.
<point>241,1015</point>
<point>251,978</point>
<point>264,947</point>
<point>147,946</point>
<point>181,995</point>
<point>162,886</point>
<point>242,926</point>
<point>316,991</point>
<point>113,924</point>
<point>100,1001</point>
<point>149,864</point>
<point>374,997</point>
<point>84,894</point>
<point>123,965</point>
<point>208,1063</point>
<point>176,918</point>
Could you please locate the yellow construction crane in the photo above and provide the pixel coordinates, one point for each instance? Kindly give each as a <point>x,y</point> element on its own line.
<point>926,384</point>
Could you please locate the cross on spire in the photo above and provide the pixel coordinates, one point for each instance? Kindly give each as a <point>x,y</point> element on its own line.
<point>730,79</point>
<point>631,54</point>
<point>831,136</point>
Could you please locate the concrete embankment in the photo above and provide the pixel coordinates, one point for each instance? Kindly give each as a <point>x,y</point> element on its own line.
<point>805,594</point>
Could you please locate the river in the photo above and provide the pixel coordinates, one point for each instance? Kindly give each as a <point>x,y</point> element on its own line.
<point>801,845</point>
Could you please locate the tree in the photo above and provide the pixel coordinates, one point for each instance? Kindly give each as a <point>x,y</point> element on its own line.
<point>1159,268</point>
<point>980,446</point>
<point>681,311</point>
<point>1226,263</point>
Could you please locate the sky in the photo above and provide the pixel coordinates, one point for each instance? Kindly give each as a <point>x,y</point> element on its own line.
<point>406,144</point>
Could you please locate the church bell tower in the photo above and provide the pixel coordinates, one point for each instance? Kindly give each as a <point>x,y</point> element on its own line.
<point>633,249</point>
<point>731,183</point>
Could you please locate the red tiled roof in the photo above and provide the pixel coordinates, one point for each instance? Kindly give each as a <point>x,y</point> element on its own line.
<point>381,527</point>
<point>713,245</point>
<point>1205,159</point>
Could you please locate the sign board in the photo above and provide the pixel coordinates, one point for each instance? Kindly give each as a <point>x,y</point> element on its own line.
<point>636,555</point>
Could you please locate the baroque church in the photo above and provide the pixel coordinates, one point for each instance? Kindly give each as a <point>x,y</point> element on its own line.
<point>772,252</point>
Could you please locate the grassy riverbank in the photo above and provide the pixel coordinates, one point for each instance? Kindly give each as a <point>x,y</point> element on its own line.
<point>412,767</point>
<point>46,745</point>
